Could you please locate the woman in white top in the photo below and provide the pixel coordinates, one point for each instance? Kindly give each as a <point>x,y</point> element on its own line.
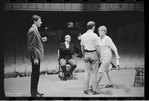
<point>107,46</point>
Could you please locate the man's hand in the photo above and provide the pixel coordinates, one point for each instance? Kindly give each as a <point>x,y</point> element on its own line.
<point>44,39</point>
<point>36,62</point>
<point>79,37</point>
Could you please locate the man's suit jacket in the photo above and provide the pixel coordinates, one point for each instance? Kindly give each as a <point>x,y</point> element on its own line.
<point>35,48</point>
<point>66,53</point>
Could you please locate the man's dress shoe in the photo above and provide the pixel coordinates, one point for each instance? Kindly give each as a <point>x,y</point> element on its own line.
<point>95,92</point>
<point>65,78</point>
<point>37,95</point>
<point>86,91</point>
<point>70,77</point>
<point>40,93</point>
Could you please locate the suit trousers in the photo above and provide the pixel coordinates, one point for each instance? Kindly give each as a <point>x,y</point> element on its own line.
<point>35,77</point>
<point>91,64</point>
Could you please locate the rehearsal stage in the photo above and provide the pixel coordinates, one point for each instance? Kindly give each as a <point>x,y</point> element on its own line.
<point>126,29</point>
<point>52,86</point>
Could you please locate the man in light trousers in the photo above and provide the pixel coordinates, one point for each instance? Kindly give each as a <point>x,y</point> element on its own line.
<point>91,53</point>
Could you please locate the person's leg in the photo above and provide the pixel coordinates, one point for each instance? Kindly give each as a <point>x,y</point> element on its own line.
<point>101,71</point>
<point>107,69</point>
<point>100,76</point>
<point>95,72</point>
<point>37,75</point>
<point>95,67</point>
<point>87,74</point>
<point>91,81</point>
<point>109,77</point>
<point>34,77</point>
<point>91,87</point>
<point>73,64</point>
<point>62,63</point>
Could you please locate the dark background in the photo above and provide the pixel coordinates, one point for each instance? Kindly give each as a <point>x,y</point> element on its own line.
<point>20,20</point>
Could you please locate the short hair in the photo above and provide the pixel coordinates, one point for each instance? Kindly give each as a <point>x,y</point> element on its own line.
<point>35,18</point>
<point>90,24</point>
<point>67,36</point>
<point>103,28</point>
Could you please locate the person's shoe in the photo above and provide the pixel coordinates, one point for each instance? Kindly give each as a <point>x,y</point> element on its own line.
<point>65,78</point>
<point>70,77</point>
<point>91,88</point>
<point>86,91</point>
<point>95,92</point>
<point>37,95</point>
<point>113,66</point>
<point>33,95</point>
<point>110,86</point>
<point>40,93</point>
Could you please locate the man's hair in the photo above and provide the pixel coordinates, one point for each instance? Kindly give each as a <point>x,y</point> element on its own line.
<point>67,36</point>
<point>35,18</point>
<point>90,24</point>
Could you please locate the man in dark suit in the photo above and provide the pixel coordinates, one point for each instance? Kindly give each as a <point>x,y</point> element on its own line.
<point>35,52</point>
<point>66,52</point>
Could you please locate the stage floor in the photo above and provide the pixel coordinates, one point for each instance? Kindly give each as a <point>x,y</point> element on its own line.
<point>52,86</point>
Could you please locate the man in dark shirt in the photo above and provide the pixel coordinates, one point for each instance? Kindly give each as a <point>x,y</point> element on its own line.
<point>66,52</point>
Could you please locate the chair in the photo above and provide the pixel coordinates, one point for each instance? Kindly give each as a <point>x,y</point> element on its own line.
<point>60,72</point>
<point>139,75</point>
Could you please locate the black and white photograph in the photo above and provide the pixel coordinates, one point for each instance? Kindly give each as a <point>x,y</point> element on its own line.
<point>74,48</point>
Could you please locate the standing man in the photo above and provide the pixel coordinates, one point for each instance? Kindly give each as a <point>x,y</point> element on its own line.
<point>35,52</point>
<point>91,53</point>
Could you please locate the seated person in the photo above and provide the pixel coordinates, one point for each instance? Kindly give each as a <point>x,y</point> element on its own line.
<point>77,50</point>
<point>66,52</point>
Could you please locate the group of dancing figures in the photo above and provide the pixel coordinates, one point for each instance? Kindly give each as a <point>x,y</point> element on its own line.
<point>96,52</point>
